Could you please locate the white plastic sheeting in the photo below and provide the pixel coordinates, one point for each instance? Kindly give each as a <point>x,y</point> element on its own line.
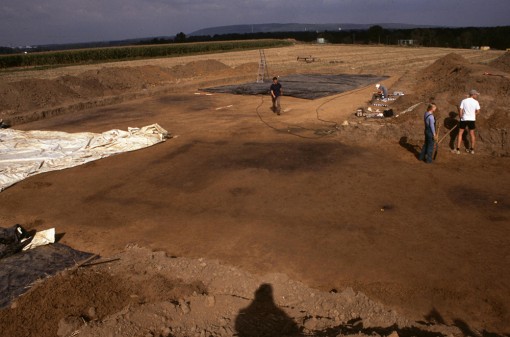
<point>26,153</point>
<point>41,238</point>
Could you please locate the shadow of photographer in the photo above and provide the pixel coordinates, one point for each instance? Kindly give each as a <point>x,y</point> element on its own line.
<point>263,318</point>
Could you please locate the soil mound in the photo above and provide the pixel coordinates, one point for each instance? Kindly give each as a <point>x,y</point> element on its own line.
<point>446,82</point>
<point>449,79</point>
<point>199,68</point>
<point>125,78</point>
<point>17,98</point>
<point>446,74</point>
<point>455,75</point>
<point>502,63</point>
<point>33,94</point>
<point>249,68</point>
<point>143,293</point>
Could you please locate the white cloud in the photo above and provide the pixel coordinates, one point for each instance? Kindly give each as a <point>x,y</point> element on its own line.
<point>59,21</point>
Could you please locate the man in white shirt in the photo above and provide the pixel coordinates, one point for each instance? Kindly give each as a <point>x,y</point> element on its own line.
<point>469,108</point>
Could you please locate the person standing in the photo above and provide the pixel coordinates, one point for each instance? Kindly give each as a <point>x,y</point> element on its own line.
<point>469,108</point>
<point>276,93</point>
<point>430,134</point>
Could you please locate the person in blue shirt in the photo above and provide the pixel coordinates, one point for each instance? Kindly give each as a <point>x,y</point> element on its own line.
<point>430,134</point>
<point>276,93</point>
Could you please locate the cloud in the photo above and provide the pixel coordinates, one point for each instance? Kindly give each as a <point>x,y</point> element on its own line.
<point>62,21</point>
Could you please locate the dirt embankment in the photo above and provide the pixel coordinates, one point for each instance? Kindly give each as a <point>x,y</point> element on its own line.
<point>502,63</point>
<point>142,293</point>
<point>446,82</point>
<point>28,100</point>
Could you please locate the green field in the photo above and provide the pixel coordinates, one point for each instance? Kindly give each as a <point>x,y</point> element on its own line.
<point>96,55</point>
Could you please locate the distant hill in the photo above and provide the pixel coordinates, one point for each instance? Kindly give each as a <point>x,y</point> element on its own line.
<point>296,27</point>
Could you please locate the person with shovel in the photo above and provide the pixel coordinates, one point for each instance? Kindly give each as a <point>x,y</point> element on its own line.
<point>430,134</point>
<point>469,108</point>
<point>276,93</point>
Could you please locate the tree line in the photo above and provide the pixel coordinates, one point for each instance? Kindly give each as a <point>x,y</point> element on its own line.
<point>110,54</point>
<point>495,37</point>
<point>466,37</point>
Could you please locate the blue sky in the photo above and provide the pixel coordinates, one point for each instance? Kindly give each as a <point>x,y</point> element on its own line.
<point>30,22</point>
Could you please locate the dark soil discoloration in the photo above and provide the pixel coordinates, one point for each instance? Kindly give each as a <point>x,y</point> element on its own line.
<point>254,195</point>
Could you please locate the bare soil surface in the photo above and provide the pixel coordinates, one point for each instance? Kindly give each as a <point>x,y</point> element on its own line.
<point>502,63</point>
<point>263,211</point>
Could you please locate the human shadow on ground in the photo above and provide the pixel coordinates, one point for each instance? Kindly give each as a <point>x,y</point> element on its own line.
<point>263,318</point>
<point>468,331</point>
<point>414,149</point>
<point>452,123</point>
<point>434,317</point>
<point>355,327</point>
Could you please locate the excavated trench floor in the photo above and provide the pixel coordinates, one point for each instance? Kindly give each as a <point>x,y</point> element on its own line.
<point>307,86</point>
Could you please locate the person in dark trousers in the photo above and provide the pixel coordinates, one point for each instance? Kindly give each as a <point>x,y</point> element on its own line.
<point>382,92</point>
<point>276,93</point>
<point>430,134</point>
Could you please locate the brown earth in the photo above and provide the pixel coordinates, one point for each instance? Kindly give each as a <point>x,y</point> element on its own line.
<point>502,63</point>
<point>332,207</point>
<point>448,80</point>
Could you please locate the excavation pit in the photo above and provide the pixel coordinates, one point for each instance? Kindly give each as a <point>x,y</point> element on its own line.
<point>307,86</point>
